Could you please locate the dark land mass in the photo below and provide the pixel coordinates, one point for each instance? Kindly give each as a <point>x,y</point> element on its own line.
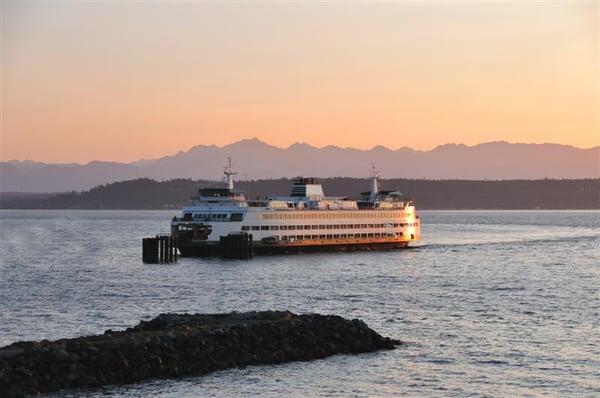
<point>174,345</point>
<point>256,160</point>
<point>428,194</point>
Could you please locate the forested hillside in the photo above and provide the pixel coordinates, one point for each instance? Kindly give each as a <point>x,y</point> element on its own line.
<point>429,194</point>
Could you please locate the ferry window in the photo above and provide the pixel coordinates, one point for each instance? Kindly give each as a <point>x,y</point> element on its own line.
<point>264,227</point>
<point>329,236</point>
<point>255,228</point>
<point>274,227</point>
<point>370,235</point>
<point>291,227</point>
<point>245,228</point>
<point>284,237</point>
<point>336,236</point>
<point>400,233</point>
<point>329,226</point>
<point>315,236</point>
<point>322,226</point>
<point>306,236</point>
<point>307,227</point>
<point>363,235</point>
<point>314,226</point>
<point>236,217</point>
<point>343,236</point>
<point>321,236</point>
<point>377,235</point>
<point>283,227</point>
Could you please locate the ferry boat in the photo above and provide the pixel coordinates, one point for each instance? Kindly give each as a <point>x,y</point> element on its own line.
<point>306,220</point>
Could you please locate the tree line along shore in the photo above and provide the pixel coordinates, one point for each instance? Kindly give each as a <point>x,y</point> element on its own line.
<point>147,194</point>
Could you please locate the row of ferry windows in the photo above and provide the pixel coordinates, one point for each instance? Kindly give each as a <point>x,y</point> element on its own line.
<point>214,216</point>
<point>342,226</point>
<point>300,215</point>
<point>344,236</point>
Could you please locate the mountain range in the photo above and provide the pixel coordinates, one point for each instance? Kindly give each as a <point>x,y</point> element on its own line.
<point>255,159</point>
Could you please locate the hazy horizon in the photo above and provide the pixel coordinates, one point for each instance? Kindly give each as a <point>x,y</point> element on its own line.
<point>258,139</point>
<point>85,81</point>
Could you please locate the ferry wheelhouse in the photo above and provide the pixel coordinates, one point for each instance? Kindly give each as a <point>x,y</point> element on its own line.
<point>306,220</point>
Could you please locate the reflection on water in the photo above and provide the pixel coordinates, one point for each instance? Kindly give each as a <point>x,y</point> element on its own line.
<point>489,303</point>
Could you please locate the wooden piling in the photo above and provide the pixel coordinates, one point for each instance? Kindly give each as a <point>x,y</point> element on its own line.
<point>161,249</point>
<point>236,246</point>
<point>174,249</point>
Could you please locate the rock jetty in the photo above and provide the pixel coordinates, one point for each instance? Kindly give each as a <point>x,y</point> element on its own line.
<point>177,345</point>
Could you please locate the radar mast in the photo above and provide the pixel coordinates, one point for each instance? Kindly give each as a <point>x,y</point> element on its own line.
<point>374,183</point>
<point>229,173</point>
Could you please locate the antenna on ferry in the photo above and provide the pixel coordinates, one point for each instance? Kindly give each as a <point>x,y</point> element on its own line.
<point>229,173</point>
<point>374,182</point>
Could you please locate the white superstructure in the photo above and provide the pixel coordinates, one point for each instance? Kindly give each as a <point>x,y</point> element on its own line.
<point>305,219</point>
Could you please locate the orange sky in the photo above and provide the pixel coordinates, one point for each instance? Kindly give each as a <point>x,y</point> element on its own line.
<point>123,81</point>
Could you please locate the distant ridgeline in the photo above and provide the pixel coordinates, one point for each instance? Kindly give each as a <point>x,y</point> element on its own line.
<point>429,194</point>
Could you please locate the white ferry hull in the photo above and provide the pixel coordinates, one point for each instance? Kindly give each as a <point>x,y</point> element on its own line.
<point>222,221</point>
<point>191,249</point>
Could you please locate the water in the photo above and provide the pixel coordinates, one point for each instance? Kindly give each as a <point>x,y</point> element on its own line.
<point>490,304</point>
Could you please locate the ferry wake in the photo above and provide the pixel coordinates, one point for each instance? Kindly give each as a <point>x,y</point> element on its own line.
<point>304,221</point>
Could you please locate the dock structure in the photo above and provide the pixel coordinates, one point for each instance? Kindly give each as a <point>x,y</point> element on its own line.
<point>160,249</point>
<point>236,246</point>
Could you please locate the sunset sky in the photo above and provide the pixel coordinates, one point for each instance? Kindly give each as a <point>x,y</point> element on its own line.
<point>124,81</point>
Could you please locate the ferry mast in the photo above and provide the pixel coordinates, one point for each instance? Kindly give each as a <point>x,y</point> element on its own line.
<point>229,173</point>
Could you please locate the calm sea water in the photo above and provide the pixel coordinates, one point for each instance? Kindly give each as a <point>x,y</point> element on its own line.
<point>490,303</point>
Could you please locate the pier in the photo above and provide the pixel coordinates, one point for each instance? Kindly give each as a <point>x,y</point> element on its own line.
<point>160,249</point>
<point>236,246</point>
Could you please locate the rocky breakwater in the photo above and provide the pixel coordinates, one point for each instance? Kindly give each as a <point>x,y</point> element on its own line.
<point>175,345</point>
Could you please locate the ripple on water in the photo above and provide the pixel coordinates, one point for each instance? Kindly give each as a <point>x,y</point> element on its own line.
<point>490,304</point>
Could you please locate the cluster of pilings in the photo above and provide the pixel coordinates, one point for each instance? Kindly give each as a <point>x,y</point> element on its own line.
<point>236,246</point>
<point>161,249</point>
